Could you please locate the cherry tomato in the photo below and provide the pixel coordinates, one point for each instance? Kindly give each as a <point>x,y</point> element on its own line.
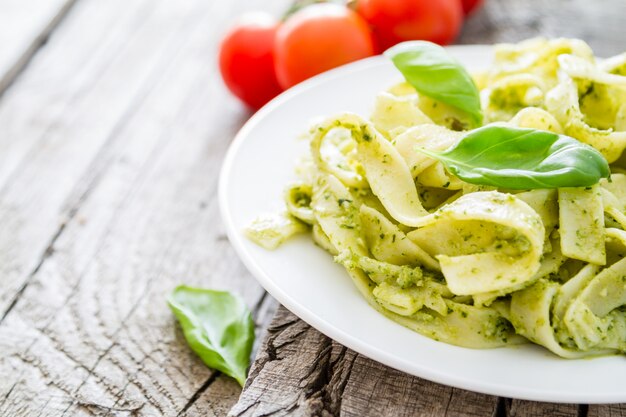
<point>395,21</point>
<point>469,6</point>
<point>247,59</point>
<point>317,38</point>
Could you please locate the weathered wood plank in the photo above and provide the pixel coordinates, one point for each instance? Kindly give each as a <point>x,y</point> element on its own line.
<point>531,408</point>
<point>216,400</point>
<point>56,121</point>
<point>37,355</point>
<point>299,371</point>
<point>24,27</point>
<point>608,410</point>
<point>109,54</point>
<point>92,331</point>
<point>376,390</point>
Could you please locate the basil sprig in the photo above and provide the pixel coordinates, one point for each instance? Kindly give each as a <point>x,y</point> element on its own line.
<point>218,327</point>
<point>522,159</point>
<point>434,73</point>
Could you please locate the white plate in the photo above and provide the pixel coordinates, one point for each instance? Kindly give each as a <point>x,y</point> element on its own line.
<point>304,278</point>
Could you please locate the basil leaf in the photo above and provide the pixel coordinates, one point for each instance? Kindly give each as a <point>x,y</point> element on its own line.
<point>434,73</point>
<point>523,159</point>
<point>218,327</point>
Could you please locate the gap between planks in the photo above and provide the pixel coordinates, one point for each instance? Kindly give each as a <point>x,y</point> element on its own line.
<point>110,196</point>
<point>29,35</point>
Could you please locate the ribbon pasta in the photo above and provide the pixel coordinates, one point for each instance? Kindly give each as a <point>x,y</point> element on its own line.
<point>472,265</point>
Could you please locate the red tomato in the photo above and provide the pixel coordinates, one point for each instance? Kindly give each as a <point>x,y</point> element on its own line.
<point>317,38</point>
<point>469,6</point>
<point>247,59</point>
<point>395,21</point>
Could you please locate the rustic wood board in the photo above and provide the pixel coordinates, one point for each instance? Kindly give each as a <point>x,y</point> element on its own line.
<point>24,27</point>
<point>112,131</point>
<point>107,203</point>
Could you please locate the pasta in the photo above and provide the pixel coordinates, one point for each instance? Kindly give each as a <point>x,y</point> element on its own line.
<point>475,265</point>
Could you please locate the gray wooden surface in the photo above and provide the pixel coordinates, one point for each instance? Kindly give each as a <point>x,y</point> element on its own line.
<point>113,125</point>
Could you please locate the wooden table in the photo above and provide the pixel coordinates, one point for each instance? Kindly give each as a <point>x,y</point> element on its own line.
<point>113,125</point>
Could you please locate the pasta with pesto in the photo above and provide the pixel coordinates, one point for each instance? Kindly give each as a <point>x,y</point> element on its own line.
<point>469,264</point>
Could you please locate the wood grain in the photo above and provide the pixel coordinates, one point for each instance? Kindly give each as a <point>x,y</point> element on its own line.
<point>520,408</point>
<point>24,28</point>
<point>607,410</point>
<point>299,371</point>
<point>64,118</point>
<point>89,333</point>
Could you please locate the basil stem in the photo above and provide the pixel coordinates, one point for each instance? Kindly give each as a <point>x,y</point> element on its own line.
<point>434,73</point>
<point>522,159</point>
<point>218,327</point>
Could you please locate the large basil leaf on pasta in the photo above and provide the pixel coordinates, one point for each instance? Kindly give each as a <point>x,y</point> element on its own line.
<point>218,327</point>
<point>522,159</point>
<point>434,73</point>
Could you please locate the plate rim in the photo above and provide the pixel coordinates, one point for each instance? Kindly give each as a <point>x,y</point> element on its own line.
<point>236,239</point>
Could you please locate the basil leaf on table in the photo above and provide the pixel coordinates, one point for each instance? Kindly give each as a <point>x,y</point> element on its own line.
<point>434,73</point>
<point>522,159</point>
<point>218,327</point>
